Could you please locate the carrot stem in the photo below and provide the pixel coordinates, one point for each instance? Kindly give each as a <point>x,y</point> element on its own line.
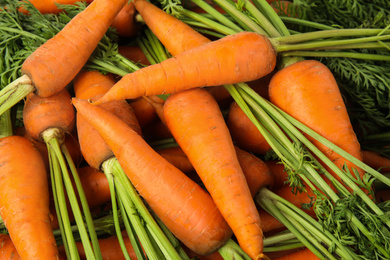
<point>232,251</point>
<point>330,54</point>
<point>6,124</point>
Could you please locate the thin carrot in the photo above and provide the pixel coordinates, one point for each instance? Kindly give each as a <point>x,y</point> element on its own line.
<point>56,62</point>
<point>321,107</point>
<point>24,199</point>
<point>92,85</point>
<point>7,248</point>
<point>49,6</point>
<point>376,161</point>
<point>244,133</point>
<point>299,255</point>
<point>198,126</point>
<point>200,226</point>
<point>211,64</point>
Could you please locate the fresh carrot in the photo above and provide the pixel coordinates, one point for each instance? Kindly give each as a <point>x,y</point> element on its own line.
<point>198,126</point>
<point>7,248</point>
<point>144,111</point>
<point>211,64</point>
<point>299,255</point>
<point>278,172</point>
<point>376,161</point>
<point>200,226</point>
<point>49,6</point>
<point>124,21</point>
<point>56,62</point>
<point>24,199</point>
<point>244,133</point>
<point>134,53</point>
<point>92,85</point>
<point>291,89</point>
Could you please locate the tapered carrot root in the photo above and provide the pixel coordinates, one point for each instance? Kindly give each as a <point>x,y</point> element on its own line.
<point>244,133</point>
<point>376,161</point>
<point>92,85</point>
<point>24,199</point>
<point>169,193</point>
<point>298,255</point>
<point>211,64</point>
<point>133,53</point>
<point>198,126</point>
<point>54,64</point>
<point>7,248</point>
<point>307,90</point>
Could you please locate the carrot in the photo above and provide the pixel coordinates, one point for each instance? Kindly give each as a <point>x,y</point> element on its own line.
<point>244,133</point>
<point>92,85</point>
<point>144,111</point>
<point>56,62</point>
<point>171,195</point>
<point>278,172</point>
<point>7,248</point>
<point>49,6</point>
<point>211,64</point>
<point>298,255</point>
<point>134,53</point>
<point>24,199</point>
<point>124,21</point>
<point>376,160</point>
<point>321,107</point>
<point>197,125</point>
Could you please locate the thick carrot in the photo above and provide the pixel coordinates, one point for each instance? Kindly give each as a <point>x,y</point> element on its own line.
<point>308,91</point>
<point>299,255</point>
<point>92,85</point>
<point>198,126</point>
<point>244,133</point>
<point>211,64</point>
<point>56,62</point>
<point>7,248</point>
<point>24,199</point>
<point>376,161</point>
<point>185,208</point>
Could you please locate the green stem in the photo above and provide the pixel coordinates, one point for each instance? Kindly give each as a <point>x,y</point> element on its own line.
<point>6,124</point>
<point>310,24</point>
<point>338,54</point>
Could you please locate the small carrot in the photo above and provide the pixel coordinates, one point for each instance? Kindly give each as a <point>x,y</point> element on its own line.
<point>169,193</point>
<point>92,85</point>
<point>124,21</point>
<point>178,158</point>
<point>56,62</point>
<point>244,133</point>
<point>133,53</point>
<point>211,64</point>
<point>144,111</point>
<point>198,126</point>
<point>299,255</point>
<point>376,161</point>
<point>24,199</point>
<point>49,6</point>
<point>7,248</point>
<point>278,172</point>
<point>291,89</point>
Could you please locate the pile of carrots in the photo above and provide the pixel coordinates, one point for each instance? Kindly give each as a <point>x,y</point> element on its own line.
<point>83,128</point>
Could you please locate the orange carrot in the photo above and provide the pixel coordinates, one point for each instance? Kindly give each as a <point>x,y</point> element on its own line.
<point>291,89</point>
<point>92,85</point>
<point>56,62</point>
<point>299,255</point>
<point>24,199</point>
<point>185,208</point>
<point>144,111</point>
<point>278,172</point>
<point>49,6</point>
<point>211,64</point>
<point>124,21</point>
<point>178,158</point>
<point>244,132</point>
<point>7,248</point>
<point>376,161</point>
<point>133,53</point>
<point>198,126</point>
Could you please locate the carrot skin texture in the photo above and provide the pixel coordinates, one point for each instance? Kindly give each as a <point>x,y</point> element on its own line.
<point>92,85</point>
<point>24,199</point>
<point>221,62</point>
<point>308,91</point>
<point>39,113</point>
<point>172,195</point>
<point>198,126</point>
<point>56,62</point>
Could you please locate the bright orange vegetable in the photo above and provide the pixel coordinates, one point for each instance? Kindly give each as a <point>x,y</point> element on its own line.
<point>24,199</point>
<point>198,126</point>
<point>92,85</point>
<point>307,90</point>
<point>211,64</point>
<point>144,111</point>
<point>56,62</point>
<point>49,6</point>
<point>170,193</point>
<point>124,21</point>
<point>305,254</point>
<point>7,248</point>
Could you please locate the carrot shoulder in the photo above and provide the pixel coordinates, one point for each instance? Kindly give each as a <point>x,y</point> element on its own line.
<point>198,126</point>
<point>185,208</point>
<point>235,58</point>
<point>56,62</point>
<point>24,199</point>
